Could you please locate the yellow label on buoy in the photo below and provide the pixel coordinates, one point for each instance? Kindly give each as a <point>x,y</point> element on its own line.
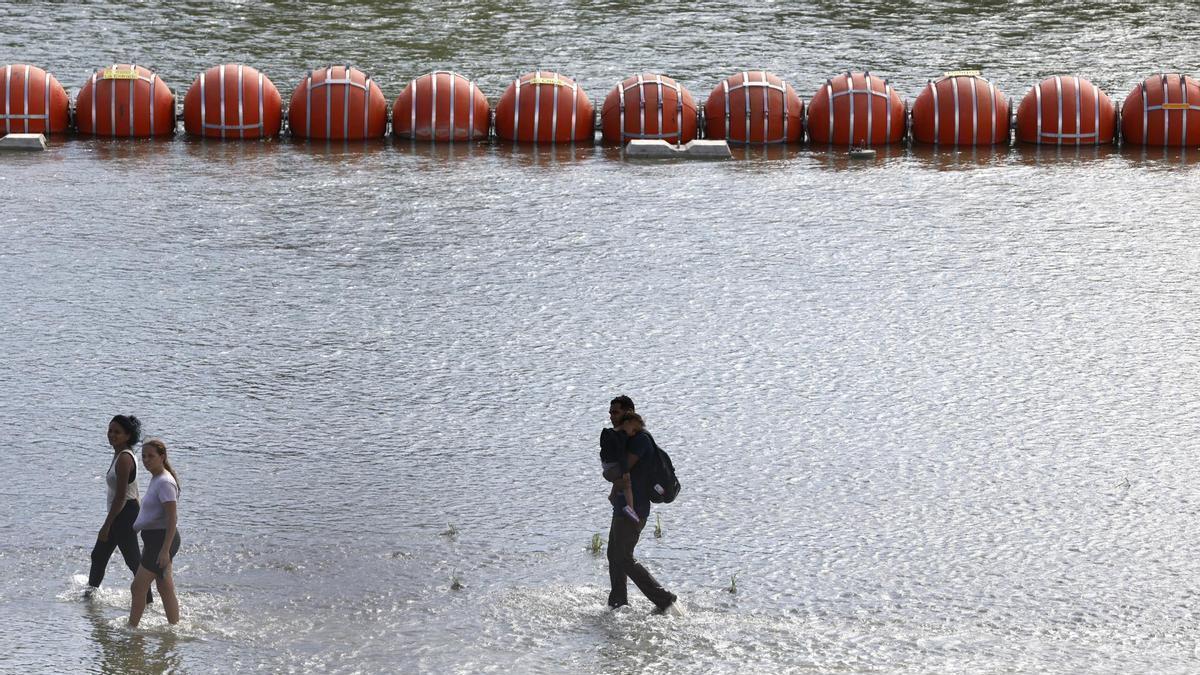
<point>546,80</point>
<point>961,73</point>
<point>114,74</point>
<point>1175,106</point>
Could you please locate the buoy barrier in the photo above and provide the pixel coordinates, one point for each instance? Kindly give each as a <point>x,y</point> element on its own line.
<point>649,107</point>
<point>338,103</point>
<point>34,102</point>
<point>1164,110</point>
<point>1066,110</point>
<point>544,107</point>
<point>754,107</point>
<point>960,108</point>
<point>441,106</point>
<point>126,101</point>
<point>232,101</point>
<point>856,109</point>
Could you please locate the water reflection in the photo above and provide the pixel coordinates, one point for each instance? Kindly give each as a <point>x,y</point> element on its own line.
<point>338,149</point>
<point>837,158</point>
<point>954,158</point>
<point>1167,159</point>
<point>441,151</point>
<point>116,149</point>
<point>1039,155</point>
<point>125,651</point>
<point>231,151</point>
<point>763,152</point>
<point>540,154</point>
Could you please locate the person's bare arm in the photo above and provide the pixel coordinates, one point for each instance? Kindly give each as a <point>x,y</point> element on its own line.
<point>164,555</point>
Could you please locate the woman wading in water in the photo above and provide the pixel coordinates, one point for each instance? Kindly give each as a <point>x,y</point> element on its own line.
<point>157,522</point>
<point>117,532</point>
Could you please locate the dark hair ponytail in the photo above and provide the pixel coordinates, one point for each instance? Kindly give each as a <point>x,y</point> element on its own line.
<point>131,426</point>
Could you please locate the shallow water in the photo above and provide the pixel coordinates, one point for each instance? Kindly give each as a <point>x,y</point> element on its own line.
<point>935,410</point>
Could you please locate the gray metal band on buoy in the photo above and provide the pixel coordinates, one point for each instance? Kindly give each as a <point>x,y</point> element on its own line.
<point>471,110</point>
<point>1183,90</point>
<point>94,85</point>
<point>412,129</point>
<point>451,121</point>
<point>554,112</point>
<point>936,114</point>
<point>537,107</point>
<point>25,107</point>
<point>575,112</point>
<point>517,110</point>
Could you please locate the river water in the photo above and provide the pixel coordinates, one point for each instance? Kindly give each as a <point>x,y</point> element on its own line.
<point>933,412</point>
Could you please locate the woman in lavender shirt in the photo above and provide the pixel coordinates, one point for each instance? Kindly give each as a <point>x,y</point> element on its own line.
<point>157,522</point>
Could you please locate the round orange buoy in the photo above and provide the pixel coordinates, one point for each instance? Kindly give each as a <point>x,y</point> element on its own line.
<point>33,102</point>
<point>754,107</point>
<point>1066,110</point>
<point>338,103</point>
<point>441,106</point>
<point>544,107</point>
<point>856,109</point>
<point>127,101</point>
<point>1164,110</point>
<point>649,106</point>
<point>232,101</point>
<point>960,109</point>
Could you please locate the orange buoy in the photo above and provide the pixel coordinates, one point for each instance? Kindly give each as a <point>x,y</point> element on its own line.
<point>1164,110</point>
<point>754,107</point>
<point>856,109</point>
<point>338,103</point>
<point>649,106</point>
<point>128,101</point>
<point>232,101</point>
<point>34,102</point>
<point>441,106</point>
<point>960,109</point>
<point>544,107</point>
<point>1066,110</point>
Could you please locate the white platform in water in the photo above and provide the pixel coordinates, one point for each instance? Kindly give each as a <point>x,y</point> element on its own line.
<point>658,149</point>
<point>708,149</point>
<point>26,142</point>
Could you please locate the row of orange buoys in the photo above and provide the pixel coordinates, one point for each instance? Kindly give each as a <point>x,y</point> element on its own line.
<point>852,109</point>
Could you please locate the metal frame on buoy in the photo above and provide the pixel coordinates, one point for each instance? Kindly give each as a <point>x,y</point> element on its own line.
<point>642,135</point>
<point>241,126</point>
<point>767,87</point>
<point>7,117</point>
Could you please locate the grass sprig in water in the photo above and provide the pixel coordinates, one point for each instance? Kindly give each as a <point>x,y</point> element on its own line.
<point>658,526</point>
<point>597,544</point>
<point>732,583</point>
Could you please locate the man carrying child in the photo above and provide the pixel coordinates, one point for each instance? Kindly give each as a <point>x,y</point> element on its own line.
<point>622,451</point>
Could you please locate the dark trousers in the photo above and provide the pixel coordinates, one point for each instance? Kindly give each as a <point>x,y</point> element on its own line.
<point>122,536</point>
<point>623,536</point>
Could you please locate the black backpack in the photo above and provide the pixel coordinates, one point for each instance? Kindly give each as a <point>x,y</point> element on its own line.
<point>664,485</point>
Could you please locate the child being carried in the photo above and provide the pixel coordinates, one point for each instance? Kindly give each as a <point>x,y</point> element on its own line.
<point>613,456</point>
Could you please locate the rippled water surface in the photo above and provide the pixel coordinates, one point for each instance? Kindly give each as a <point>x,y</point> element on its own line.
<point>933,412</point>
